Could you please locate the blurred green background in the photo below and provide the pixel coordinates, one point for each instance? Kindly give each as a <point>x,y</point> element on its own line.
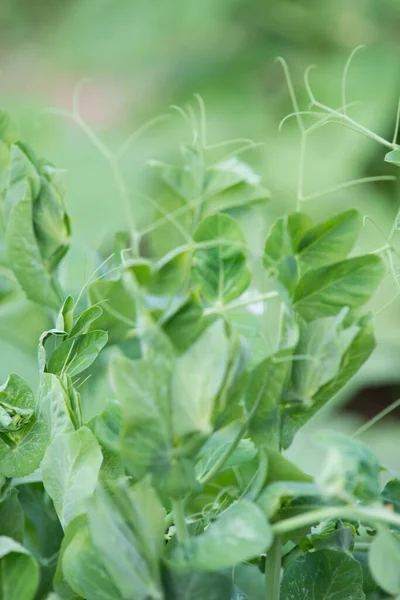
<point>141,56</point>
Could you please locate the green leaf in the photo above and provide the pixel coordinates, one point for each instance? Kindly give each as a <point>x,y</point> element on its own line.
<point>270,499</point>
<point>197,379</point>
<point>219,264</point>
<point>281,247</point>
<point>19,571</point>
<point>143,390</point>
<point>17,404</point>
<point>76,354</point>
<point>51,223</point>
<point>185,325</point>
<point>238,534</point>
<point>8,131</point>
<point>42,521</point>
<point>267,382</point>
<point>391,496</point>
<point>119,308</point>
<point>85,319</point>
<point>321,346</point>
<point>359,350</point>
<point>351,471</point>
<point>325,291</point>
<point>12,519</point>
<point>335,536</point>
<point>55,405</point>
<point>70,470</point>
<point>393,157</point>
<point>232,184</point>
<point>330,241</point>
<point>384,561</point>
<point>197,586</point>
<point>281,468</point>
<point>132,520</point>
<point>85,571</point>
<point>243,453</point>
<point>323,575</point>
<point>25,258</point>
<point>27,450</point>
<point>66,315</point>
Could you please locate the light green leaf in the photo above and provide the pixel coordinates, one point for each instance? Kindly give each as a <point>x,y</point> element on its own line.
<point>70,470</point>
<point>351,471</point>
<point>243,453</point>
<point>325,291</point>
<point>321,346</point>
<point>197,379</point>
<point>197,586</point>
<point>66,315</point>
<point>85,571</point>
<point>266,385</point>
<point>355,356</point>
<point>238,534</point>
<point>25,259</point>
<point>26,451</point>
<point>384,561</point>
<point>281,247</point>
<point>119,308</point>
<point>143,390</point>
<point>270,499</point>
<point>19,571</point>
<point>330,241</point>
<point>391,496</point>
<point>8,131</point>
<point>323,575</point>
<point>132,520</point>
<point>55,405</point>
<point>393,157</point>
<point>17,404</point>
<point>219,263</point>
<point>76,354</point>
<point>85,319</point>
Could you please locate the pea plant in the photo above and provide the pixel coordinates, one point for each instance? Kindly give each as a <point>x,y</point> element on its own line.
<point>212,358</point>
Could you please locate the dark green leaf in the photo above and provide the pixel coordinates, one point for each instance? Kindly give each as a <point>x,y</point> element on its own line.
<point>12,518</point>
<point>323,575</point>
<point>19,576</point>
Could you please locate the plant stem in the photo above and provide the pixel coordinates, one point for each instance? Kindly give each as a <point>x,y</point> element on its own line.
<point>371,515</point>
<point>180,521</point>
<point>377,418</point>
<point>273,570</point>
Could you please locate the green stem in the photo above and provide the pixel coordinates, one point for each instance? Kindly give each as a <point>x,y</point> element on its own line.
<point>370,515</point>
<point>273,565</point>
<point>180,521</point>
